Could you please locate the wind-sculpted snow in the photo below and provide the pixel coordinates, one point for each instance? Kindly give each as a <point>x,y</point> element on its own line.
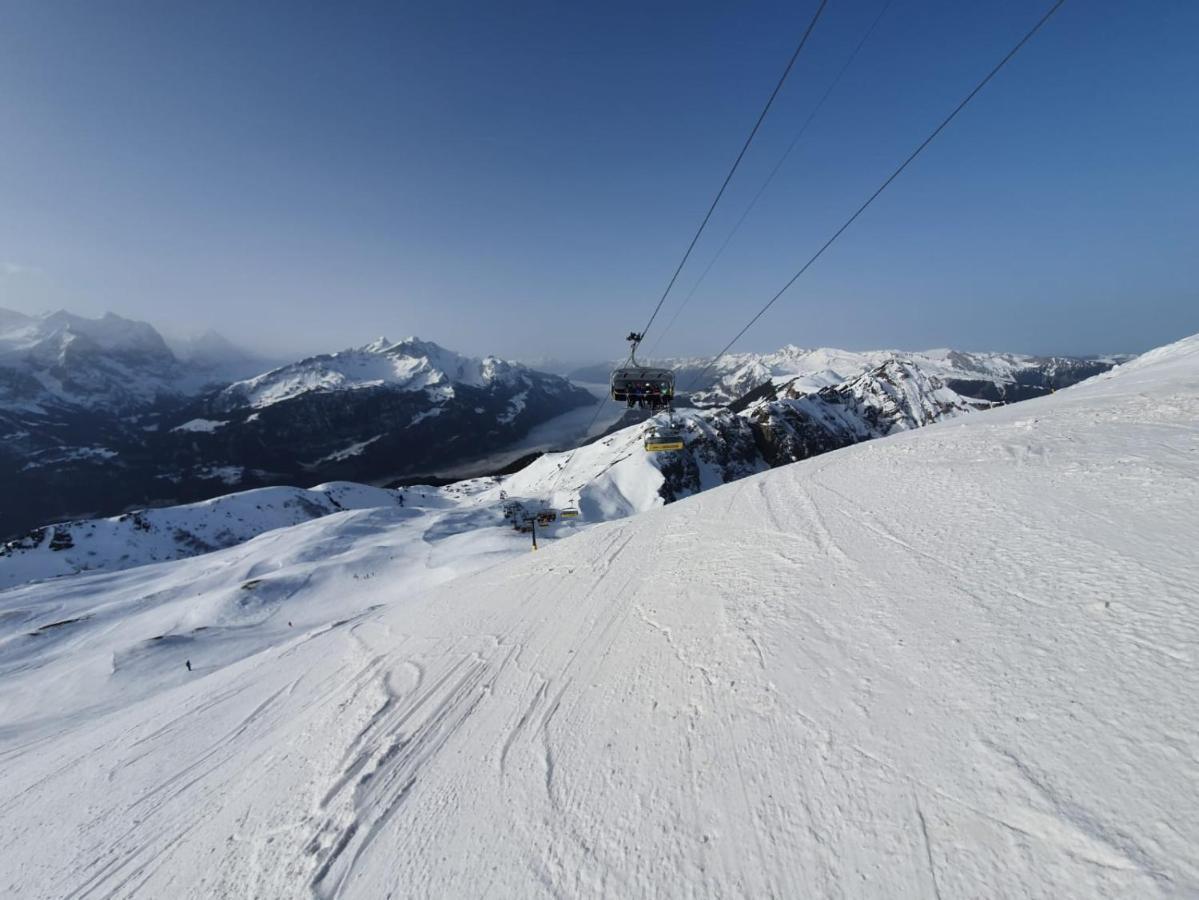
<point>953,662</point>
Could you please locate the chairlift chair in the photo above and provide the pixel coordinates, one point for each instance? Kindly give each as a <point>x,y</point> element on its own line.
<point>661,438</point>
<point>643,386</point>
<point>639,385</point>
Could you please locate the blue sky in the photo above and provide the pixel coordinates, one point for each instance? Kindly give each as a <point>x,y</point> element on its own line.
<point>522,178</point>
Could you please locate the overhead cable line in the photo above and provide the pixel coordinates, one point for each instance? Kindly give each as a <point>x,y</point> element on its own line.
<point>737,162</point>
<point>769,178</point>
<point>861,209</point>
<point>716,200</point>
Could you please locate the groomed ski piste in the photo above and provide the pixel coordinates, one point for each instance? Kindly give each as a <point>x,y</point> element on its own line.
<point>955,662</point>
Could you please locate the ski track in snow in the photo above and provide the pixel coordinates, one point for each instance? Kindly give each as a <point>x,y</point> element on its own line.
<point>957,662</point>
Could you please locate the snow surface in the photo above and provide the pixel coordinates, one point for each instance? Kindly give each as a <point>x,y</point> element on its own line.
<point>958,661</point>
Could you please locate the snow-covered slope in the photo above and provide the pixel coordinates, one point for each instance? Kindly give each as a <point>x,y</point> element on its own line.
<point>957,661</point>
<point>155,535</point>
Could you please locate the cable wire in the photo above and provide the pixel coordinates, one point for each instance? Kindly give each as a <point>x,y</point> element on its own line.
<point>711,209</point>
<point>769,178</point>
<point>861,209</point>
<point>737,162</point>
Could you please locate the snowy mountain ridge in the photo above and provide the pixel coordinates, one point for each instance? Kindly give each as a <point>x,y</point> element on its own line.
<point>409,365</point>
<point>955,661</point>
<point>973,374</point>
<point>794,421</point>
<point>60,328</point>
<point>60,360</point>
<point>984,376</point>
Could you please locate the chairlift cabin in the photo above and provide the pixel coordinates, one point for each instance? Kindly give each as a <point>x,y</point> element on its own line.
<point>568,513</point>
<point>644,386</point>
<point>546,517</point>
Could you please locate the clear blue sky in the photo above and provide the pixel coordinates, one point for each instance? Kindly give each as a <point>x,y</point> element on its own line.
<point>521,178</point>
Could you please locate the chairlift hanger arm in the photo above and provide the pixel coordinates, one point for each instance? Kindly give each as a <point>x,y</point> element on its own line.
<point>634,340</point>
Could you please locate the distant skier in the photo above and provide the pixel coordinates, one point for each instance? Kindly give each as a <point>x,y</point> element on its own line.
<point>401,499</point>
<point>189,665</point>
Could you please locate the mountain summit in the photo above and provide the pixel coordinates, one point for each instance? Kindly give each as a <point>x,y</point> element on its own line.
<point>63,361</point>
<point>407,365</point>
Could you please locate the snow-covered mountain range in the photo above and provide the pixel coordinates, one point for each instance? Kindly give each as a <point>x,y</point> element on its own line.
<point>1003,377</point>
<point>609,478</point>
<point>100,416</point>
<point>375,412</point>
<point>614,476</point>
<point>953,661</point>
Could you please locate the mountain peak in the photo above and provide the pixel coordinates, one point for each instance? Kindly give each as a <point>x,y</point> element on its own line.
<point>379,345</point>
<point>109,332</point>
<point>409,365</point>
